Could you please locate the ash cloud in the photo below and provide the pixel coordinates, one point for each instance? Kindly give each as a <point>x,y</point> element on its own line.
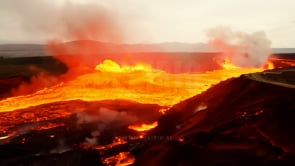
<point>243,49</point>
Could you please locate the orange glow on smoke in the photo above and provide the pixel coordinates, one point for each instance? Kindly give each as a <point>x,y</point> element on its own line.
<point>226,64</point>
<point>143,127</point>
<point>140,83</point>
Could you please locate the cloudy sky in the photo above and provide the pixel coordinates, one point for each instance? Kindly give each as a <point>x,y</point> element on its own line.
<point>141,21</point>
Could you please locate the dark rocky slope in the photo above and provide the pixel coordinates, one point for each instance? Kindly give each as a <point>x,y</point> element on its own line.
<point>245,121</point>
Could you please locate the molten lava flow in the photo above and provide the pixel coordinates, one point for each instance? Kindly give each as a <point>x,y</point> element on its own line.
<point>47,126</point>
<point>143,127</point>
<point>111,66</point>
<point>140,83</point>
<point>117,141</point>
<point>121,159</point>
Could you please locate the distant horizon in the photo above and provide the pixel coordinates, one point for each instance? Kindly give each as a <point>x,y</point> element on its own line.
<point>122,43</point>
<point>39,49</point>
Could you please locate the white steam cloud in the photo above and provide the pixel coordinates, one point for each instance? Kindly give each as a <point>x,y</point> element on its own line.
<point>104,116</point>
<point>243,49</point>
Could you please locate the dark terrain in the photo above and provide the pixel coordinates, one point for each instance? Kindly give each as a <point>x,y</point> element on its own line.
<point>15,71</point>
<point>247,121</point>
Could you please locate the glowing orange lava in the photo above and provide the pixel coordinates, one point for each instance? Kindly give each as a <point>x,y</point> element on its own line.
<point>226,64</point>
<point>270,65</point>
<point>140,83</point>
<point>116,141</point>
<point>121,159</point>
<point>143,127</point>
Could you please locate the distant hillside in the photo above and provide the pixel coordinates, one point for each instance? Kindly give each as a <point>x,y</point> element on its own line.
<point>22,50</point>
<point>93,47</point>
<point>102,47</point>
<point>283,50</point>
<point>88,46</point>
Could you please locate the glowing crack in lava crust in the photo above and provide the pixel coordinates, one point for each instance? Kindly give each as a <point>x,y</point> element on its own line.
<point>139,83</point>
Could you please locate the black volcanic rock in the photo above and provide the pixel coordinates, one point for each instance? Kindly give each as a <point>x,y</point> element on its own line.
<point>244,121</point>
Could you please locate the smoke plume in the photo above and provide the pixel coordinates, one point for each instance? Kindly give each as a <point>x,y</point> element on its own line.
<point>243,49</point>
<point>65,21</point>
<point>35,83</point>
<point>104,116</point>
<point>58,23</point>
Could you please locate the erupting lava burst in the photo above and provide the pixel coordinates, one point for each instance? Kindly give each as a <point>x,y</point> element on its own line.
<point>140,83</point>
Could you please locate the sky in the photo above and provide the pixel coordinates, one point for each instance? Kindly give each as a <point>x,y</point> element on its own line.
<point>145,21</point>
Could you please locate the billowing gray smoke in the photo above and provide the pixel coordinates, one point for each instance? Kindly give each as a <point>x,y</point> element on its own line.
<point>243,49</point>
<point>66,21</point>
<point>104,118</point>
<point>74,21</point>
